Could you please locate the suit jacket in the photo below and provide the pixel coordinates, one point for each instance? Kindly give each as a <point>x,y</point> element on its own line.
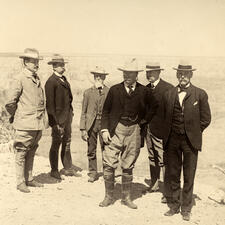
<point>90,106</point>
<point>114,106</point>
<point>156,125</point>
<point>197,115</point>
<point>58,100</point>
<point>25,102</point>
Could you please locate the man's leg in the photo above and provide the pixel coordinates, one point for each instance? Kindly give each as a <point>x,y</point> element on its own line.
<point>173,173</point>
<point>190,157</point>
<point>29,160</point>
<point>54,153</point>
<point>91,153</point>
<point>22,143</point>
<point>132,144</point>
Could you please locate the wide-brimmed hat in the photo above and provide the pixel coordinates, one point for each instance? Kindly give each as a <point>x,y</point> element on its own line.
<point>99,70</point>
<point>152,66</point>
<point>57,58</point>
<point>131,66</point>
<point>31,53</point>
<point>184,66</point>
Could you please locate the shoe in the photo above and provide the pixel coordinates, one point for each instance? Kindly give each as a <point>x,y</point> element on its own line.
<point>70,172</point>
<point>163,200</point>
<point>56,175</point>
<point>34,183</point>
<point>128,203</point>
<point>154,187</point>
<point>172,212</point>
<point>23,188</point>
<point>186,215</point>
<point>108,200</point>
<point>92,179</point>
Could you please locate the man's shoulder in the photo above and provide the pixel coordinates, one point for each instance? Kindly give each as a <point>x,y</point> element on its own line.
<point>199,90</point>
<point>166,84</point>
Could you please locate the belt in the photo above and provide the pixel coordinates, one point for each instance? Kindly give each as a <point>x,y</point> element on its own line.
<point>130,119</point>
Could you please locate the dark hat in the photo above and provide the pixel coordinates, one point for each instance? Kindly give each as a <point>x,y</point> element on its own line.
<point>184,66</point>
<point>57,58</point>
<point>31,53</point>
<point>152,66</point>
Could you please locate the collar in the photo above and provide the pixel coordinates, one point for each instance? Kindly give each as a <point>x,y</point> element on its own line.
<point>58,74</point>
<point>133,85</point>
<point>156,82</point>
<point>28,73</point>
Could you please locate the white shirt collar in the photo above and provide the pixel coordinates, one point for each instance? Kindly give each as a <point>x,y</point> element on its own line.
<point>57,74</point>
<point>156,82</point>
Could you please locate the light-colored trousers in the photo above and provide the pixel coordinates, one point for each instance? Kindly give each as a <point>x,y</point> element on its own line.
<point>25,144</point>
<point>126,142</point>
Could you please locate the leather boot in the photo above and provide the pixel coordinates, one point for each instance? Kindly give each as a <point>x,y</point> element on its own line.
<point>109,188</point>
<point>126,190</point>
<point>23,188</point>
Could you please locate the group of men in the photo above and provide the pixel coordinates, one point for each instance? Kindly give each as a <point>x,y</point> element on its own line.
<point>171,119</point>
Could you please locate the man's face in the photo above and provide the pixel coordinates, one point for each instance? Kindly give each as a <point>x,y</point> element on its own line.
<point>184,77</point>
<point>31,64</point>
<point>152,76</point>
<point>59,67</point>
<point>129,77</point>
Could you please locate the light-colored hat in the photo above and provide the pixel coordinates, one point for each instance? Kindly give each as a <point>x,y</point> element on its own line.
<point>31,53</point>
<point>57,58</point>
<point>184,66</point>
<point>152,66</point>
<point>99,70</point>
<point>131,65</point>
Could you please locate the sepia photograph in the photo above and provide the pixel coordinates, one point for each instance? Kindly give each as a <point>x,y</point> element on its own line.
<point>112,112</point>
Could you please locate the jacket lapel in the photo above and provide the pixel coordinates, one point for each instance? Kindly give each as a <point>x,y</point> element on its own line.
<point>121,91</point>
<point>65,84</point>
<point>172,98</point>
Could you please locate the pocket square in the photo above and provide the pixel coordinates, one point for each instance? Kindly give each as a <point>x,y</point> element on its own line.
<point>195,103</point>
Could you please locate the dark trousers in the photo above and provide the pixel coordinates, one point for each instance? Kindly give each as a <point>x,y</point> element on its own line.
<point>65,140</point>
<point>179,152</point>
<point>93,134</point>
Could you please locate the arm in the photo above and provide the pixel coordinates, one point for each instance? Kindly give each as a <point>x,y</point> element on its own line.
<point>50,100</point>
<point>84,134</point>
<point>204,109</point>
<point>13,98</point>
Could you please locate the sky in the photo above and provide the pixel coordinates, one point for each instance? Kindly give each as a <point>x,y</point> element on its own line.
<point>143,27</point>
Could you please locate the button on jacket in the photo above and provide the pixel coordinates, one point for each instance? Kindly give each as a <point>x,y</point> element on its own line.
<point>26,102</point>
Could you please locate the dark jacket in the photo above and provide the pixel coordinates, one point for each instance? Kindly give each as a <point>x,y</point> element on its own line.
<point>156,125</point>
<point>58,100</point>
<point>114,106</point>
<point>197,115</point>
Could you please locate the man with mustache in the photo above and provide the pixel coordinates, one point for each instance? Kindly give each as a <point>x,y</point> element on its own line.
<point>124,110</point>
<point>90,121</point>
<point>60,113</point>
<point>25,105</point>
<point>186,114</point>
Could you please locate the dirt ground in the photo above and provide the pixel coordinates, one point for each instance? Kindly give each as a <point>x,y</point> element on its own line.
<point>75,201</point>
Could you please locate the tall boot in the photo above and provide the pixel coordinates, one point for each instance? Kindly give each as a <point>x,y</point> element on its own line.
<point>126,189</point>
<point>109,187</point>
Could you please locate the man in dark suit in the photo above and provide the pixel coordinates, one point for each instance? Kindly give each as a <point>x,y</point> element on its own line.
<point>186,114</point>
<point>155,129</point>
<point>60,112</point>
<point>124,110</point>
<point>90,121</point>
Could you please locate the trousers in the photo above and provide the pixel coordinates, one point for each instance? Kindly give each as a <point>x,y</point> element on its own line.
<point>25,144</point>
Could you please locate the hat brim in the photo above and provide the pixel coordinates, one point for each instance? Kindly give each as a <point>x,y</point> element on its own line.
<point>53,62</point>
<point>30,57</point>
<point>184,69</point>
<point>147,70</point>
<point>128,70</point>
<point>93,72</point>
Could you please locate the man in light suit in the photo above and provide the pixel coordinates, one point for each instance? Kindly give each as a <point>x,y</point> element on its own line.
<point>155,128</point>
<point>90,121</point>
<point>60,113</point>
<point>25,105</point>
<point>186,114</point>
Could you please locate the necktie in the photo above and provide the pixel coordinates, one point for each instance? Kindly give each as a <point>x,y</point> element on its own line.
<point>152,85</point>
<point>130,89</point>
<point>100,90</point>
<point>64,78</point>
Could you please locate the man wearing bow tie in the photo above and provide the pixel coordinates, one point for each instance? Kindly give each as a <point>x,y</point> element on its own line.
<point>90,121</point>
<point>124,110</point>
<point>186,114</point>
<point>60,113</point>
<point>26,108</point>
<point>155,129</point>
